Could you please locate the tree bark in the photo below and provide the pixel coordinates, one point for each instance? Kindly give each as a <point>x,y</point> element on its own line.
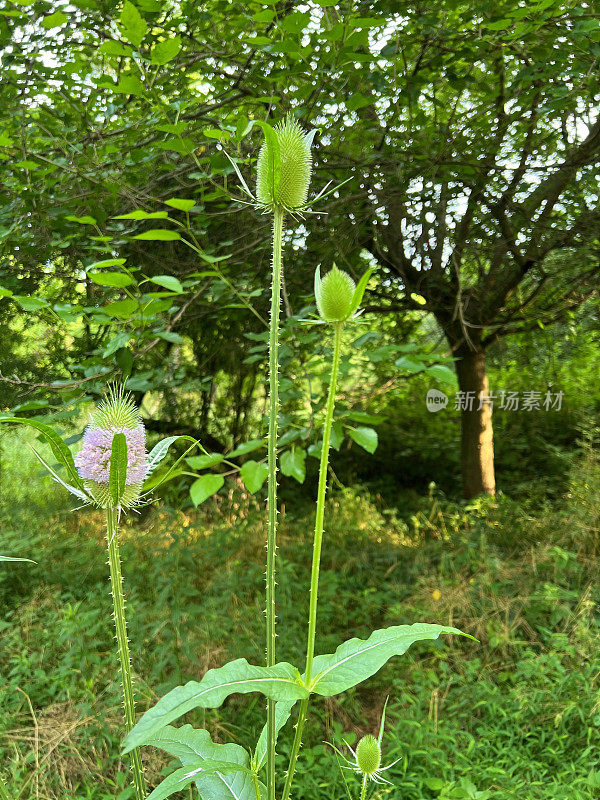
<point>477,434</point>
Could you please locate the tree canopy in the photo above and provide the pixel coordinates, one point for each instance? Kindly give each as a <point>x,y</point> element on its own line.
<point>468,136</point>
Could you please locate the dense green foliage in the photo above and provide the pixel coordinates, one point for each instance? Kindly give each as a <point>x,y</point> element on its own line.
<point>467,134</point>
<point>513,716</point>
<point>455,151</point>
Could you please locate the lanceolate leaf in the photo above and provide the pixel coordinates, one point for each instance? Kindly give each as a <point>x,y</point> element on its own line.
<point>59,448</point>
<point>181,778</point>
<point>204,462</point>
<point>358,659</point>
<point>359,291</point>
<point>280,682</point>
<point>283,711</point>
<point>79,493</point>
<point>158,453</point>
<point>118,468</point>
<point>191,746</point>
<point>161,449</point>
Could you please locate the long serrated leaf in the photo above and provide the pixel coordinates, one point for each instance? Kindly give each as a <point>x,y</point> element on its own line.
<point>190,745</point>
<point>356,660</point>
<point>80,494</point>
<point>59,448</point>
<point>182,777</point>
<point>118,468</point>
<point>280,682</point>
<point>283,711</point>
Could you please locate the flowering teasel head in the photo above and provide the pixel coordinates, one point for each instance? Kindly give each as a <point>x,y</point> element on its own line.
<point>337,296</point>
<point>113,462</point>
<point>284,166</point>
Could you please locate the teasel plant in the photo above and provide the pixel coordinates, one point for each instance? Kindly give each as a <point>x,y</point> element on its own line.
<point>284,168</point>
<point>230,771</point>
<point>109,472</point>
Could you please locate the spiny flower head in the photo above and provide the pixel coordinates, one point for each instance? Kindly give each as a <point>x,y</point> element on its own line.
<point>334,294</point>
<point>289,189</point>
<point>117,409</point>
<point>368,755</point>
<point>116,414</point>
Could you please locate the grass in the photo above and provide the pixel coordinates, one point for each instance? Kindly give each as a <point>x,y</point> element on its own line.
<point>513,716</point>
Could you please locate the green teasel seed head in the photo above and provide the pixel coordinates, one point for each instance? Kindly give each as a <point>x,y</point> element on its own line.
<point>368,755</point>
<point>334,294</point>
<point>285,187</point>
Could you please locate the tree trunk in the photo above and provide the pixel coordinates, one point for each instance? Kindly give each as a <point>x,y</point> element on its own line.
<point>477,434</point>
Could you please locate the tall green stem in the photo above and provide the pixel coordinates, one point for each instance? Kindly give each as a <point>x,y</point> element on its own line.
<point>316,560</point>
<point>116,583</point>
<point>272,483</point>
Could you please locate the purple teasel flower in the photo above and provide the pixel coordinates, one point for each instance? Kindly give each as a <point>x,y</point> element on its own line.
<point>93,460</point>
<point>116,415</point>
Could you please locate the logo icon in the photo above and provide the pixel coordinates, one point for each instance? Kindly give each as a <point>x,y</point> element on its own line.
<point>435,400</point>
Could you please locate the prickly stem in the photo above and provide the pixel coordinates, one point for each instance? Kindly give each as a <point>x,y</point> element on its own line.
<point>316,561</point>
<point>272,483</point>
<point>116,582</point>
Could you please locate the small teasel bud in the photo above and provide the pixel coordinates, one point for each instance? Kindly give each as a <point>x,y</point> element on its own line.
<point>368,755</point>
<point>284,166</point>
<point>116,414</point>
<point>334,295</point>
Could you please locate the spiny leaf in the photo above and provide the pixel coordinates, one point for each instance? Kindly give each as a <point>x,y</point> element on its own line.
<point>78,493</point>
<point>191,746</point>
<point>280,682</point>
<point>359,291</point>
<point>178,780</point>
<point>357,659</point>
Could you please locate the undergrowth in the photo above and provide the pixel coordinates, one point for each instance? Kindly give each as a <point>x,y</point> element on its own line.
<point>513,716</point>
